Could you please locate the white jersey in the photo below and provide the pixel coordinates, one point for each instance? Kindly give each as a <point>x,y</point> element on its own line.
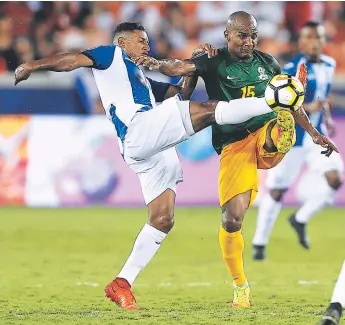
<point>122,86</point>
<point>320,76</point>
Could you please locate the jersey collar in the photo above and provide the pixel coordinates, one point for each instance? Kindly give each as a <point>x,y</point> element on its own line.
<point>231,59</point>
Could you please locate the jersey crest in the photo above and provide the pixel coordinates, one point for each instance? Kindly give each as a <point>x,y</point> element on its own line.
<point>262,73</point>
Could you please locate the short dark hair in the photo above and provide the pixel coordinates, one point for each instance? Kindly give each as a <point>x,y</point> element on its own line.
<point>311,24</point>
<point>128,27</point>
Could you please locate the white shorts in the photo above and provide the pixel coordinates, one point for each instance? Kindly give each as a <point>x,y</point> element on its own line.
<point>149,144</point>
<point>158,173</point>
<point>158,129</point>
<point>286,172</point>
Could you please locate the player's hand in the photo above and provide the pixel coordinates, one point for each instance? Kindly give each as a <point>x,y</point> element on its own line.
<point>23,72</point>
<point>205,48</point>
<point>147,62</point>
<point>326,143</point>
<point>302,74</point>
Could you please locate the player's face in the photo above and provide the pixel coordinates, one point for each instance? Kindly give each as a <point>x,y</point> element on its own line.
<point>242,38</point>
<point>312,40</point>
<point>137,44</point>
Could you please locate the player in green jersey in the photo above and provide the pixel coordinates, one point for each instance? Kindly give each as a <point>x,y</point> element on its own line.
<point>239,71</point>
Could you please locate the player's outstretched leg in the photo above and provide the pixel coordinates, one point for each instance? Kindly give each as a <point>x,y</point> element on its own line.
<point>161,221</point>
<point>334,310</point>
<point>175,121</point>
<point>232,246</point>
<point>236,111</point>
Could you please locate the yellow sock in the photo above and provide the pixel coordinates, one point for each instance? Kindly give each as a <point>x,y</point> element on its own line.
<point>232,245</point>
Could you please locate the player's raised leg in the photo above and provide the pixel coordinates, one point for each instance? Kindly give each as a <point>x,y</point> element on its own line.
<point>281,135</point>
<point>334,310</point>
<point>234,112</point>
<point>174,121</point>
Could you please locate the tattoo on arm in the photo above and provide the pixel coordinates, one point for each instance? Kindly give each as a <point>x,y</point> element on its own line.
<point>303,121</point>
<point>175,67</point>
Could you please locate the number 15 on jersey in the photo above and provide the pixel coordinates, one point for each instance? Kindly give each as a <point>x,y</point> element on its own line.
<point>248,91</point>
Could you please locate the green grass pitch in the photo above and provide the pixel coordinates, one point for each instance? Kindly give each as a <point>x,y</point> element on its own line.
<point>54,264</point>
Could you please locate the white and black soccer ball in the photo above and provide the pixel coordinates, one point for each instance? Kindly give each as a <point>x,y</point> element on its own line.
<point>284,92</point>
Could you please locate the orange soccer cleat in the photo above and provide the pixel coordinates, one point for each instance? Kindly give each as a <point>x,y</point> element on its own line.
<point>302,74</point>
<point>119,291</point>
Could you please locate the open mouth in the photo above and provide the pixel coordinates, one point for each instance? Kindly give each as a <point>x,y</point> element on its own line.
<point>247,50</point>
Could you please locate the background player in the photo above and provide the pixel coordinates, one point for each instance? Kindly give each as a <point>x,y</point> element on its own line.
<point>334,311</point>
<point>239,71</point>
<point>147,133</point>
<point>324,174</point>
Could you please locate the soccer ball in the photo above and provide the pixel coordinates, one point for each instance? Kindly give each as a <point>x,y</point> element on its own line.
<point>284,92</point>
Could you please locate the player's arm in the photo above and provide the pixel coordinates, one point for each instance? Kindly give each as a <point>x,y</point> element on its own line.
<point>302,119</point>
<point>58,63</point>
<point>98,58</point>
<point>187,84</point>
<point>176,67</point>
<point>168,67</point>
<point>197,65</point>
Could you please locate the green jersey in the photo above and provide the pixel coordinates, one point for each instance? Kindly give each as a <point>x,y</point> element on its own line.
<point>227,78</point>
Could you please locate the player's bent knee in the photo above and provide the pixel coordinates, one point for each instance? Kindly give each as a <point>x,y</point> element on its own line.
<point>232,225</point>
<point>232,221</point>
<point>162,219</point>
<point>202,114</point>
<point>277,195</point>
<point>233,213</point>
<point>334,179</point>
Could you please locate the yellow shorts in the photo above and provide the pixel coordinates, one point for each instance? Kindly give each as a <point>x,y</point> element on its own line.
<point>239,164</point>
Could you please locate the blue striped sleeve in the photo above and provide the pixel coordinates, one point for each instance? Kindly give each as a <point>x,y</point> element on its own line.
<point>102,56</point>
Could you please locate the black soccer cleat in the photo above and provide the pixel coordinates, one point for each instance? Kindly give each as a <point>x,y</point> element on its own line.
<point>259,253</point>
<point>300,229</point>
<point>332,315</point>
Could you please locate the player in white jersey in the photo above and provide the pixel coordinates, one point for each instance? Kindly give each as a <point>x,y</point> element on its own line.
<point>148,132</point>
<point>324,174</point>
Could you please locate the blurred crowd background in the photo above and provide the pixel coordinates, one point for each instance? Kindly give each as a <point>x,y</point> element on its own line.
<point>33,29</point>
